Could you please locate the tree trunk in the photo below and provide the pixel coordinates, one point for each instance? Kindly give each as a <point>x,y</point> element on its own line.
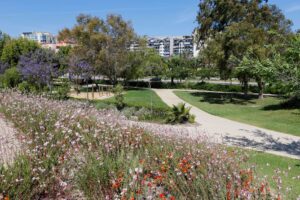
<point>246,88</point>
<point>260,84</point>
<point>172,80</point>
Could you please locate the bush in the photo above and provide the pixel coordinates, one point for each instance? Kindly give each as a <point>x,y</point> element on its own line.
<point>180,114</point>
<point>11,78</point>
<point>119,96</point>
<point>62,92</point>
<point>24,87</point>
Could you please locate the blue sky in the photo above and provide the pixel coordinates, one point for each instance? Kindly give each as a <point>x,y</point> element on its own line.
<point>149,17</point>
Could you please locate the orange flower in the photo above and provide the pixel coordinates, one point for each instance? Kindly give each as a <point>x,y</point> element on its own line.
<point>172,198</point>
<point>228,189</point>
<point>278,198</point>
<point>142,161</point>
<point>6,198</point>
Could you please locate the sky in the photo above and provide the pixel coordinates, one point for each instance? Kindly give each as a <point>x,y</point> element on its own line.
<point>148,17</point>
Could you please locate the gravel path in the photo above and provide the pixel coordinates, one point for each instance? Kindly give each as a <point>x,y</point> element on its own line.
<point>234,133</point>
<point>9,144</point>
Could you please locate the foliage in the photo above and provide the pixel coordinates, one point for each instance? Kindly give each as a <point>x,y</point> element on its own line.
<point>4,38</point>
<point>99,154</point>
<point>180,114</point>
<point>24,87</point>
<point>103,44</point>
<point>62,91</point>
<point>179,68</point>
<point>15,48</point>
<point>253,67</point>
<point>3,67</point>
<point>11,78</point>
<point>227,29</point>
<point>39,67</point>
<point>119,96</point>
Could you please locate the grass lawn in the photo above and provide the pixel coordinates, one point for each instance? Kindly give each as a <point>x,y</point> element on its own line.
<point>266,113</point>
<point>141,98</point>
<point>289,169</point>
<point>138,99</point>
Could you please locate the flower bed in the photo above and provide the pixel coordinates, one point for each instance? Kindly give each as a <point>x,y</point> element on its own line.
<point>74,150</point>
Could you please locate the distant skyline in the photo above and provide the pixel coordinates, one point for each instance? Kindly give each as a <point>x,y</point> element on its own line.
<point>153,18</point>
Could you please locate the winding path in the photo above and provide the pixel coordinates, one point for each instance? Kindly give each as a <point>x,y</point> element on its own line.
<point>9,144</point>
<point>234,133</point>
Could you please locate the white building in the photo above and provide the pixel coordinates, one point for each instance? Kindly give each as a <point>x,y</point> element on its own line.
<point>40,37</point>
<point>173,45</point>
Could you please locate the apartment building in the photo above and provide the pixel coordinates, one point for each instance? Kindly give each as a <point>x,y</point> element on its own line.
<point>40,37</point>
<point>173,45</point>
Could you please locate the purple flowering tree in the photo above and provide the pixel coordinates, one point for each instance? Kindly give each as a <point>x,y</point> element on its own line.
<point>39,67</point>
<point>80,69</point>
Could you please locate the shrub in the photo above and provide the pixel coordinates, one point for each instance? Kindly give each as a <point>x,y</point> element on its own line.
<point>62,91</point>
<point>24,87</point>
<point>180,114</point>
<point>119,96</point>
<point>11,78</point>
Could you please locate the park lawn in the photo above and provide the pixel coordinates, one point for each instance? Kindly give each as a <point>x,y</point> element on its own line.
<point>141,98</point>
<point>266,164</point>
<point>138,99</point>
<point>264,113</point>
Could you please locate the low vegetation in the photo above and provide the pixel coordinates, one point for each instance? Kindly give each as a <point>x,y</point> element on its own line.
<point>180,114</point>
<point>72,149</point>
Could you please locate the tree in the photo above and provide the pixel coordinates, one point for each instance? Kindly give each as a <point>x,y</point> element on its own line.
<point>104,44</point>
<point>4,38</point>
<point>14,48</point>
<point>253,67</point>
<point>39,67</point>
<point>179,67</point>
<point>230,27</point>
<point>113,57</point>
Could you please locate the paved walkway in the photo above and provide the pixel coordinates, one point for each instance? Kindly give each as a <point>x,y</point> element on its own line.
<point>9,144</point>
<point>234,133</point>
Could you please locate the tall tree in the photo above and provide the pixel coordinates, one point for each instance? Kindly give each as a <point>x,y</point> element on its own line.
<point>230,27</point>
<point>103,43</point>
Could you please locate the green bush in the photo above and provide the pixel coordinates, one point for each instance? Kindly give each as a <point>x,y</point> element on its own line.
<point>119,96</point>
<point>24,87</point>
<point>62,91</point>
<point>180,114</point>
<point>11,78</point>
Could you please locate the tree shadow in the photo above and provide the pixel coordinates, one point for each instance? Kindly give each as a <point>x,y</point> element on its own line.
<point>225,98</point>
<point>266,142</point>
<point>286,104</point>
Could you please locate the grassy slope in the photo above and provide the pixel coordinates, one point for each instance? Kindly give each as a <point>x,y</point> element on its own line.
<point>262,113</point>
<point>266,164</point>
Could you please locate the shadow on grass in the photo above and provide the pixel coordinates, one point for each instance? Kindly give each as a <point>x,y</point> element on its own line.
<point>287,104</point>
<point>225,98</point>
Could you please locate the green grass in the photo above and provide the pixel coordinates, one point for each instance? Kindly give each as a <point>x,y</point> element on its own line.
<point>138,99</point>
<point>266,164</point>
<point>141,98</point>
<point>266,113</point>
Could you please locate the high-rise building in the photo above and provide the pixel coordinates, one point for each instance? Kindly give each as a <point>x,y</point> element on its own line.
<point>40,37</point>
